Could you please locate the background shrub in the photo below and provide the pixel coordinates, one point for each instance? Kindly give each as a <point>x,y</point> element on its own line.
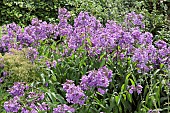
<point>22,11</point>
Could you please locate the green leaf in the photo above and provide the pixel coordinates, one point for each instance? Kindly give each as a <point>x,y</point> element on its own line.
<point>156,71</point>
<point>127,79</point>
<point>132,82</point>
<point>96,103</point>
<point>129,96</point>
<point>60,98</point>
<point>123,88</point>
<point>102,63</point>
<point>50,96</point>
<point>117,99</point>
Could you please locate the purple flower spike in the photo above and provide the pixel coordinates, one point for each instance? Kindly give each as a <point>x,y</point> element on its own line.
<point>12,105</point>
<point>18,89</point>
<point>139,89</point>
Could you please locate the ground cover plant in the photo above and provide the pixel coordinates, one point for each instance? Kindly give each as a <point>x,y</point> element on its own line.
<point>84,66</point>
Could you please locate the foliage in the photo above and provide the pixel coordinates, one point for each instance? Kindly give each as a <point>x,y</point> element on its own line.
<point>22,11</point>
<point>88,65</point>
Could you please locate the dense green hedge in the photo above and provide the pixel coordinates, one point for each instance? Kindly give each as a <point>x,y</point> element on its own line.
<point>22,11</point>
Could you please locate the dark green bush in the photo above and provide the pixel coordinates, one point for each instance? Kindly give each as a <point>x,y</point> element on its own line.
<point>22,11</point>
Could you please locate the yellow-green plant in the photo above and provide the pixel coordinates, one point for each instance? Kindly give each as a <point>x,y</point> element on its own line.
<point>18,66</point>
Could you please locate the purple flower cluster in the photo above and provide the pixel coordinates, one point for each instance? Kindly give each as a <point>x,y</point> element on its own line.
<point>35,98</point>
<point>63,28</point>
<point>144,56</point>
<point>35,108</point>
<point>99,79</point>
<point>137,89</point>
<point>63,109</point>
<point>74,94</point>
<point>12,105</point>
<point>163,53</point>
<point>13,37</point>
<point>96,38</point>
<point>147,57</point>
<point>28,100</point>
<point>88,31</point>
<point>35,32</point>
<point>134,19</point>
<point>18,89</point>
<point>84,26</point>
<point>8,39</point>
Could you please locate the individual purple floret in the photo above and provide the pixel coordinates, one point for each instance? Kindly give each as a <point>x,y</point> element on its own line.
<point>48,64</point>
<point>132,89</point>
<point>54,63</point>
<point>63,109</point>
<point>5,73</point>
<point>1,80</point>
<point>101,91</point>
<point>1,65</point>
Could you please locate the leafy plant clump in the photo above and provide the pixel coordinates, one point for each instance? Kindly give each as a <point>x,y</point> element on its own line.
<point>18,66</point>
